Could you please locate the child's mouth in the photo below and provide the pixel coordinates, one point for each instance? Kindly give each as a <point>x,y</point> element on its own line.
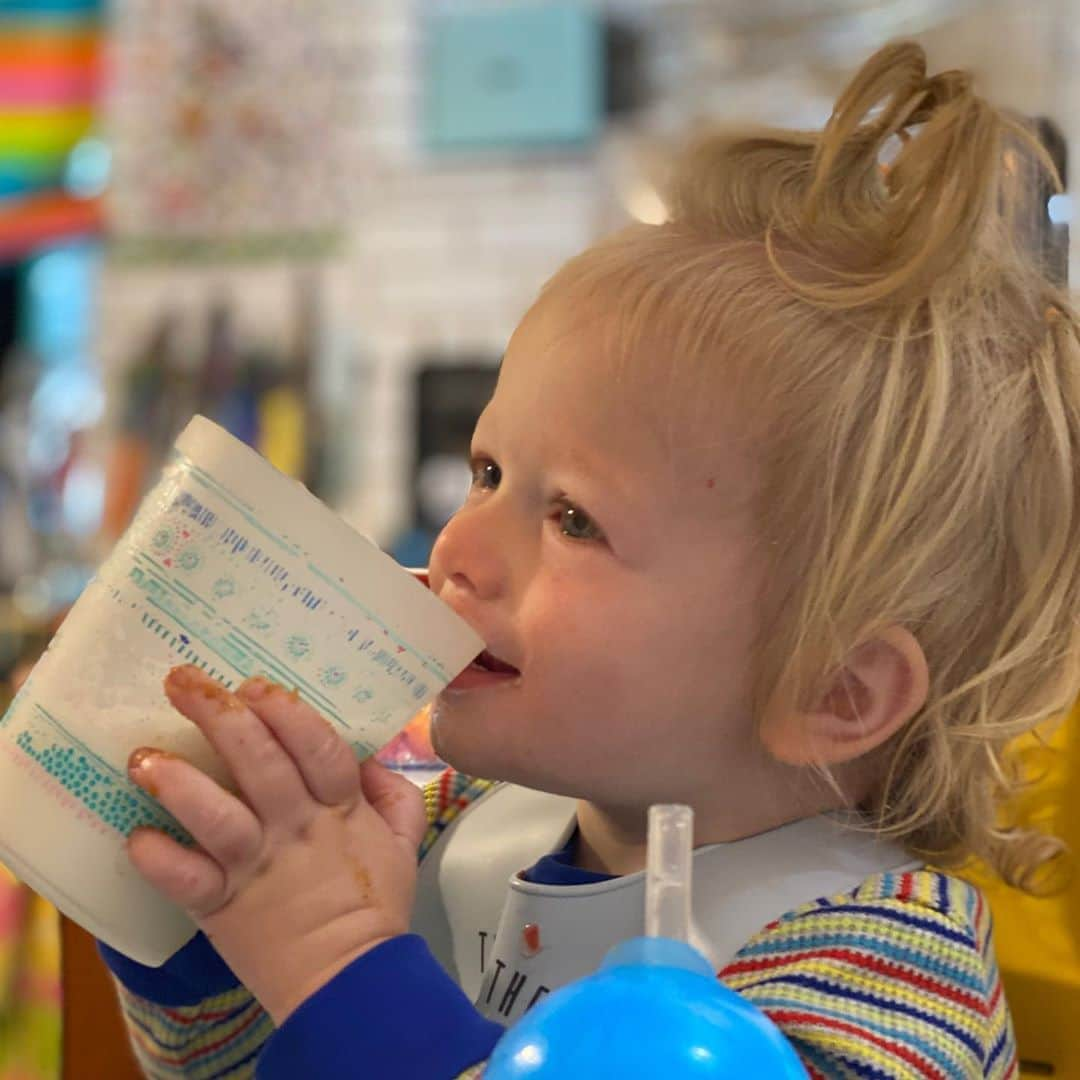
<point>486,670</point>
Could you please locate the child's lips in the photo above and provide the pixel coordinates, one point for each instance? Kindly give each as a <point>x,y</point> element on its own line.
<point>485,671</point>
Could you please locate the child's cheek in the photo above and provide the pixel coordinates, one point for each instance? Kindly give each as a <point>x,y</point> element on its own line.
<point>558,603</point>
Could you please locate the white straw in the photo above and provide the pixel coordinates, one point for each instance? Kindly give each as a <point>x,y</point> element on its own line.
<point>667,875</point>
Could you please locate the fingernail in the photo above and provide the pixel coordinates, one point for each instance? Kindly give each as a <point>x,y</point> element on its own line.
<point>255,688</point>
<point>190,679</point>
<point>139,769</point>
<point>140,757</point>
<point>183,677</point>
<point>145,755</point>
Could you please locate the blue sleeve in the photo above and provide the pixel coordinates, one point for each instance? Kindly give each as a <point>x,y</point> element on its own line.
<point>392,1012</point>
<point>189,976</point>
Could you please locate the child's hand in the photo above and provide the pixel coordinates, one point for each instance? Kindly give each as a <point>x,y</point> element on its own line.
<point>312,864</point>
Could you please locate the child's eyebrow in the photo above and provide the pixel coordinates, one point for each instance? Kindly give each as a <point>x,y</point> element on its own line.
<point>610,486</point>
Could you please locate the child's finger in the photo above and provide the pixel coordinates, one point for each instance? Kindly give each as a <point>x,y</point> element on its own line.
<point>397,800</point>
<point>263,771</point>
<point>324,759</point>
<point>219,823</point>
<point>188,878</point>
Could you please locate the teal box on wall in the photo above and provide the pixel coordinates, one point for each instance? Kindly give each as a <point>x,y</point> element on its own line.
<point>518,75</point>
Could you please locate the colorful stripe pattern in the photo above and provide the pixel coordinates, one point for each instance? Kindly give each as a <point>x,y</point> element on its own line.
<point>218,1039</point>
<point>444,800</point>
<point>895,980</point>
<point>34,221</point>
<point>51,63</point>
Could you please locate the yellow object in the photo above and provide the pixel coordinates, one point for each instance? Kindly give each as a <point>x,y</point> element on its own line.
<point>29,984</point>
<point>1038,938</point>
<point>281,430</point>
<point>43,131</point>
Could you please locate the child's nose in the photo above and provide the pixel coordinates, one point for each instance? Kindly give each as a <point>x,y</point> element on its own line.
<point>471,555</point>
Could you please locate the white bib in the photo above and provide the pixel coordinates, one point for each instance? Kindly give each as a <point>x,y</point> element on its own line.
<point>508,941</point>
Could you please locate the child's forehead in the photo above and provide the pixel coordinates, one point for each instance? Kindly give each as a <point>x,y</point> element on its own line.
<point>568,377</point>
<point>567,357</point>
<point>587,354</point>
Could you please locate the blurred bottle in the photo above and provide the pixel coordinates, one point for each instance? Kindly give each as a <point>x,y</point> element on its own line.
<point>291,423</point>
<point>180,393</point>
<point>307,361</point>
<point>135,450</point>
<point>223,394</point>
<point>19,553</point>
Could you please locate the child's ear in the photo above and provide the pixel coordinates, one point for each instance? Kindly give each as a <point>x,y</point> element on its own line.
<point>882,685</point>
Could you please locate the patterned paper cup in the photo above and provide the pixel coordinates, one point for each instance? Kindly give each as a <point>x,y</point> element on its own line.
<point>236,568</point>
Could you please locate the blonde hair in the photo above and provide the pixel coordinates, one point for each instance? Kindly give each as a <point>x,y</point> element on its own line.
<point>915,389</point>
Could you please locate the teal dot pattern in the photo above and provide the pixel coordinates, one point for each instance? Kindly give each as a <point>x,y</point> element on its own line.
<point>100,788</point>
<point>299,646</point>
<point>190,559</point>
<point>164,537</point>
<point>332,676</point>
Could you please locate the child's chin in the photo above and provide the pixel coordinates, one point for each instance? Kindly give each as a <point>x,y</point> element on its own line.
<point>435,734</point>
<point>446,747</point>
<point>458,753</point>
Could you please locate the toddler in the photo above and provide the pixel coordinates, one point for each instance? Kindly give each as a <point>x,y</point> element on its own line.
<point>774,512</point>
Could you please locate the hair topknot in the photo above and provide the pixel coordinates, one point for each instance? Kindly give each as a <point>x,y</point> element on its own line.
<point>896,195</point>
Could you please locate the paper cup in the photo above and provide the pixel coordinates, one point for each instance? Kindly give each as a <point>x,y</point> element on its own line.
<point>236,568</point>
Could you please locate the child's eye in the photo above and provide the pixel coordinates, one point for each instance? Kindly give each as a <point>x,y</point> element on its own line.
<point>485,474</point>
<point>576,524</point>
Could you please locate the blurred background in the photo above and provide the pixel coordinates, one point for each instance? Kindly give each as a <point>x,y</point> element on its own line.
<point>318,221</point>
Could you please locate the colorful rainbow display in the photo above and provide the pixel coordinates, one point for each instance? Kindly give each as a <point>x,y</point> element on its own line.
<point>51,69</point>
